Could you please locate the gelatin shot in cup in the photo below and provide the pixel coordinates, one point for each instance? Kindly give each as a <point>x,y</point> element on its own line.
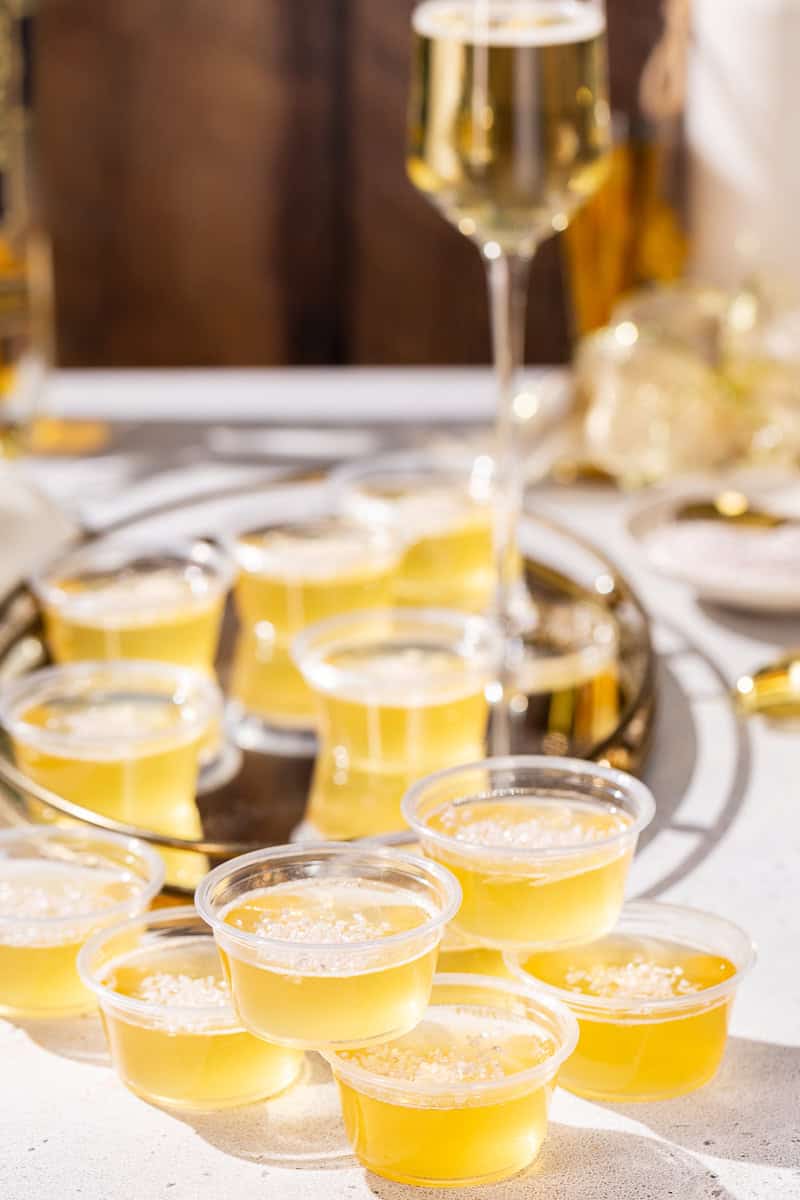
<point>57,887</point>
<point>328,945</point>
<point>541,846</point>
<point>122,598</point>
<point>463,1097</point>
<point>171,1028</point>
<point>652,998</point>
<point>401,693</point>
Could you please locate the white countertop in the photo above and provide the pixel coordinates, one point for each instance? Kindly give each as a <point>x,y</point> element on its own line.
<point>726,838</point>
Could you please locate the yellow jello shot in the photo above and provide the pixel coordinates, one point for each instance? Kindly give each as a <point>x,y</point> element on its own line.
<point>57,886</point>
<point>463,1097</point>
<point>171,1029</point>
<point>401,693</point>
<point>442,512</point>
<point>120,598</point>
<point>291,576</point>
<point>652,999</point>
<point>328,946</point>
<point>541,846</point>
<point>122,739</point>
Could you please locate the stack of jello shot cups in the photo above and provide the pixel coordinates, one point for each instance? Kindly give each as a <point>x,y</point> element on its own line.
<point>443,1079</point>
<point>542,848</point>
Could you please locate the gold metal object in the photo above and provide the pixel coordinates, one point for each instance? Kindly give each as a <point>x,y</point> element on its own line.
<point>733,508</point>
<point>773,691</point>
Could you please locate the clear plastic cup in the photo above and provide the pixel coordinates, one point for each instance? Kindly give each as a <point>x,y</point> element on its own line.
<point>652,999</point>
<point>171,1028</point>
<point>441,509</point>
<point>541,846</point>
<point>122,739</point>
<point>463,1098</point>
<point>126,598</point>
<point>57,886</point>
<point>291,576</point>
<point>329,945</point>
<point>401,693</point>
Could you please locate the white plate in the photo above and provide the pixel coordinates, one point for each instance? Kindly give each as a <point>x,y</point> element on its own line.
<point>744,588</point>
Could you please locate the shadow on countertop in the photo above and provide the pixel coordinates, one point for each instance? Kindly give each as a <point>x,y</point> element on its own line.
<point>749,1113</point>
<point>587,1164</point>
<point>670,771</point>
<point>778,629</point>
<point>301,1129</point>
<point>78,1038</point>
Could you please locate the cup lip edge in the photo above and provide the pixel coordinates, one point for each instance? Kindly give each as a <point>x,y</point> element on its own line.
<point>140,903</point>
<point>388,542</point>
<point>481,666</point>
<point>13,692</point>
<point>446,880</point>
<point>224,570</point>
<point>535,1076</point>
<point>638,791</point>
<point>226,1019</point>
<point>410,460</point>
<point>599,1006</point>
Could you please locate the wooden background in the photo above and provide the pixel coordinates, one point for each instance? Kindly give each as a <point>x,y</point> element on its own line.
<point>227,187</point>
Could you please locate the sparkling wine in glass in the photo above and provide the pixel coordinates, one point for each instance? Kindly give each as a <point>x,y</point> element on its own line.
<point>509,132</point>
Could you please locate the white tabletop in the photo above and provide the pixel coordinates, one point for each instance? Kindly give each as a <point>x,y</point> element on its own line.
<point>726,838</point>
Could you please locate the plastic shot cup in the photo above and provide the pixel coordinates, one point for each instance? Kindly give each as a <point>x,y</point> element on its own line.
<point>328,945</point>
<point>291,576</point>
<point>171,1029</point>
<point>124,598</point>
<point>442,512</point>
<point>57,887</point>
<point>120,738</point>
<point>463,1097</point>
<point>401,693</point>
<point>652,999</point>
<point>541,846</point>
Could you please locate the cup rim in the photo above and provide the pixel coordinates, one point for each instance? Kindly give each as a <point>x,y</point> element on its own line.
<point>634,790</point>
<point>210,552</point>
<point>196,1014</point>
<point>151,886</point>
<point>310,660</point>
<point>530,1078</point>
<point>330,851</point>
<point>383,541</point>
<point>460,465</point>
<point>32,682</point>
<point>649,912</point>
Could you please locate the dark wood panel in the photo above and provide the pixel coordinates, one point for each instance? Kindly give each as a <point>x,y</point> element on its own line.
<point>187,149</point>
<point>227,186</point>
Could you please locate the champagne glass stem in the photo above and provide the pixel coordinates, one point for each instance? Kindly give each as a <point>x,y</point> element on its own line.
<point>508,277</point>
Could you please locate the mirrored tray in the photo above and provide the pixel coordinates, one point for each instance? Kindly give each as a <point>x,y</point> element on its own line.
<point>602,712</point>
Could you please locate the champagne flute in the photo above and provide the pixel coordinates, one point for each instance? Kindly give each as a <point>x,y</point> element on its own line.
<point>509,131</point>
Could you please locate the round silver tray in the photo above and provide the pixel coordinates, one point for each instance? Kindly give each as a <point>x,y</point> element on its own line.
<point>263,802</point>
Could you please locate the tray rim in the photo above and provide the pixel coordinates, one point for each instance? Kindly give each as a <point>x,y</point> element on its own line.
<point>19,609</point>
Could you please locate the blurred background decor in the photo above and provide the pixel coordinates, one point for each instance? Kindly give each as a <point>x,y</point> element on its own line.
<point>225,185</point>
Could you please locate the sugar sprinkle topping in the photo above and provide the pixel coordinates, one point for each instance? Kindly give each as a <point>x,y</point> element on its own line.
<point>528,826</point>
<point>637,979</point>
